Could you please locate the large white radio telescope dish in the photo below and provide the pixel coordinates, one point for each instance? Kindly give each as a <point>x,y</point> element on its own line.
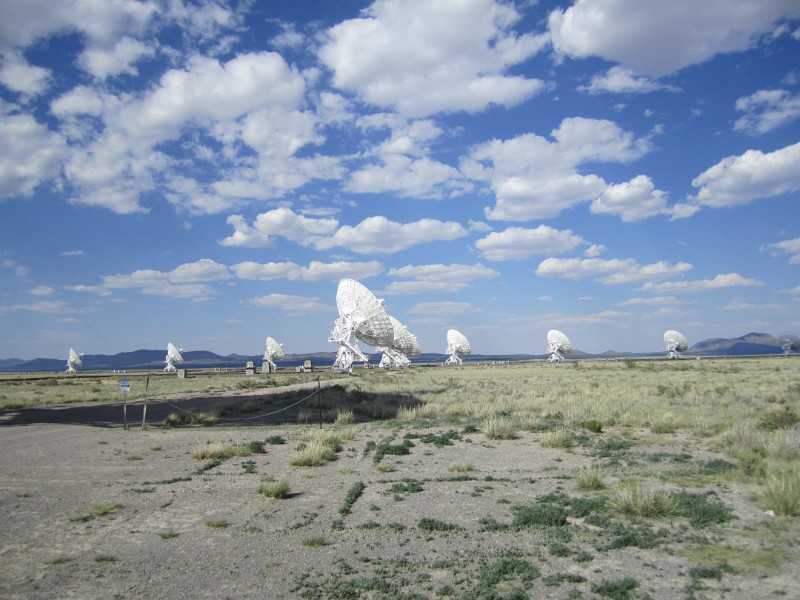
<point>790,343</point>
<point>457,346</point>
<point>361,317</point>
<point>173,357</point>
<point>405,344</point>
<point>558,345</point>
<point>274,350</point>
<point>675,342</point>
<point>73,361</point>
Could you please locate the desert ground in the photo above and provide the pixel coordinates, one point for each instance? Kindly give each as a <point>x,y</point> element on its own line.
<point>460,482</point>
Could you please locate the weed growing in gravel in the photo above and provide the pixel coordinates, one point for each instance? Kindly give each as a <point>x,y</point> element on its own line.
<point>316,541</point>
<point>344,417</point>
<point>168,535</point>
<point>275,440</point>
<point>593,425</point>
<point>432,525</point>
<point>104,558</point>
<point>542,514</point>
<point>461,468</point>
<point>272,488</point>
<point>96,510</point>
<point>218,523</point>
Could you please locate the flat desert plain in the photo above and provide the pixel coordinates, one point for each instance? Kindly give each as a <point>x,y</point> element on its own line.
<point>446,506</point>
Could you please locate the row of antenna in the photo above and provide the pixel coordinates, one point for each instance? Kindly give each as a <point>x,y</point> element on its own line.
<point>363,317</point>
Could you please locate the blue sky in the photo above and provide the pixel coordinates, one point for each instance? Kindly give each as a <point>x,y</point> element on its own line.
<point>204,173</point>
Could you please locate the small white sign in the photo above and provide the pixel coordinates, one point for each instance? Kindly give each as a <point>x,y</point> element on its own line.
<point>125,385</point>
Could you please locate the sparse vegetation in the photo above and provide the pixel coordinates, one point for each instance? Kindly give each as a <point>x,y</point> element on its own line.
<point>96,510</point>
<point>218,523</point>
<point>637,501</point>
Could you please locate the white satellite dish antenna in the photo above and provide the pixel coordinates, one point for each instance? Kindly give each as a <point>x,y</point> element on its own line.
<point>790,343</point>
<point>558,345</point>
<point>274,350</point>
<point>173,356</point>
<point>457,346</point>
<point>73,361</point>
<point>675,342</point>
<point>405,344</point>
<point>361,317</point>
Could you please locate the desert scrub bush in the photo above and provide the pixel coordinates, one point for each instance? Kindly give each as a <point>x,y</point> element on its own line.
<point>541,514</point>
<point>316,541</point>
<point>780,418</point>
<point>275,440</point>
<point>500,428</point>
<point>272,488</point>
<point>316,453</point>
<point>432,525</point>
<point>782,493</point>
<point>353,494</point>
<point>636,501</point>
<point>560,438</point>
<point>96,510</point>
<point>616,590</point>
<point>589,479</point>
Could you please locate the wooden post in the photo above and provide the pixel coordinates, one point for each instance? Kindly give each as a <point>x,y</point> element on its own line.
<point>319,401</point>
<point>144,413</point>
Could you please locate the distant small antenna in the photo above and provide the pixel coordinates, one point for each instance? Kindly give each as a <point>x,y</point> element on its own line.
<point>457,346</point>
<point>790,343</point>
<point>274,350</point>
<point>361,317</point>
<point>558,345</point>
<point>405,344</point>
<point>676,343</point>
<point>173,356</point>
<point>73,361</point>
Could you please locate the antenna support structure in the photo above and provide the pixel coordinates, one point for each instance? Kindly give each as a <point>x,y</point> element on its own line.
<point>274,350</point>
<point>405,344</point>
<point>361,317</point>
<point>73,361</point>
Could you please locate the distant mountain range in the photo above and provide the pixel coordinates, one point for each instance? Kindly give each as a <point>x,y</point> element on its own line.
<point>746,345</point>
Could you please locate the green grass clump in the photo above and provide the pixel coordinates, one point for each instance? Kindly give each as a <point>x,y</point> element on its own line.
<point>780,418</point>
<point>500,428</point>
<point>272,488</point>
<point>275,440</point>
<point>593,425</point>
<point>168,535</point>
<point>589,479</point>
<point>314,454</point>
<point>635,501</point>
<point>559,438</point>
<point>345,417</point>
<point>782,493</point>
<point>96,510</point>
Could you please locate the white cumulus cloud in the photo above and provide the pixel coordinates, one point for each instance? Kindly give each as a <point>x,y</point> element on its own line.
<point>517,243</point>
<point>722,281</point>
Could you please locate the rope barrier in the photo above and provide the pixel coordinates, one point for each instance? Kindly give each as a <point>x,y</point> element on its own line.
<point>269,414</point>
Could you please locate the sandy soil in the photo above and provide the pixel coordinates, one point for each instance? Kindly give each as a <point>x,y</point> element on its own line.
<point>57,463</point>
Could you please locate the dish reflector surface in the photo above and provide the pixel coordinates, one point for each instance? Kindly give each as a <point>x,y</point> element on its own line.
<point>372,324</point>
<point>458,342</point>
<point>558,342</point>
<point>274,348</point>
<point>173,353</point>
<point>74,358</point>
<point>674,340</point>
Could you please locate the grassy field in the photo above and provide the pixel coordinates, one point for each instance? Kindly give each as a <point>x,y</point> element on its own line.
<point>586,479</point>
